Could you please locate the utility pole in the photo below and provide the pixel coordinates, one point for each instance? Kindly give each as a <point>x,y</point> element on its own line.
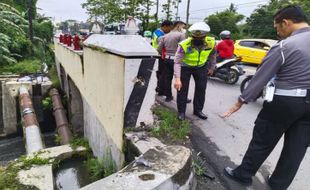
<point>147,13</point>
<point>168,9</point>
<point>30,20</point>
<point>125,14</point>
<point>177,12</point>
<point>157,7</point>
<point>187,12</point>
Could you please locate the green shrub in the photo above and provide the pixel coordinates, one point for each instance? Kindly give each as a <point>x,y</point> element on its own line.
<point>24,67</point>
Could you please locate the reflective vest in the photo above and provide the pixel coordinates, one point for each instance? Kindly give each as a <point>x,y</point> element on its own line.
<point>192,57</point>
<point>158,33</point>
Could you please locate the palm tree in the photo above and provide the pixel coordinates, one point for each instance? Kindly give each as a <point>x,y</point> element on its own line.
<point>11,23</point>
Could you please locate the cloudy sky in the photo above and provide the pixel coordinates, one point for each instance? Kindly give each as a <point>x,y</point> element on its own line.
<point>71,9</point>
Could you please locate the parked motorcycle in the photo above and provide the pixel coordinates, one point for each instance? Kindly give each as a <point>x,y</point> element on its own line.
<point>229,70</point>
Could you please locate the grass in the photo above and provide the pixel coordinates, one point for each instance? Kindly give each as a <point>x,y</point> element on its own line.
<point>27,163</point>
<point>27,66</point>
<point>93,165</point>
<point>54,77</point>
<point>100,168</point>
<point>79,141</point>
<point>169,125</point>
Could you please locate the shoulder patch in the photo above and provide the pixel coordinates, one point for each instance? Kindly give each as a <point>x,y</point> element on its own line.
<point>159,33</point>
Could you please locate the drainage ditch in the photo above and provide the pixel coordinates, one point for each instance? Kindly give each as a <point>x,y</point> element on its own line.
<point>71,174</point>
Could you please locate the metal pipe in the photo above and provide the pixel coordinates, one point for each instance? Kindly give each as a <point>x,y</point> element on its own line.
<point>30,123</point>
<point>60,117</point>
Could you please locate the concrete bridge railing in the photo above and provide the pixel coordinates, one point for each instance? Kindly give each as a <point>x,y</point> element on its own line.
<point>107,84</point>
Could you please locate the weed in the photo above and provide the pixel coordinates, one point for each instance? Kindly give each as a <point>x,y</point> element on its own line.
<point>198,166</point>
<point>8,176</point>
<point>109,164</point>
<point>57,139</point>
<point>79,141</point>
<point>54,77</point>
<point>169,125</point>
<point>27,162</point>
<point>47,103</point>
<point>100,168</point>
<point>95,168</point>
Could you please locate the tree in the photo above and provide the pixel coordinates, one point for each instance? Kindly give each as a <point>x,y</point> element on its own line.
<point>167,8</point>
<point>111,11</point>
<point>260,23</point>
<point>12,26</point>
<point>43,28</point>
<point>14,44</point>
<point>305,5</point>
<point>108,10</point>
<point>225,20</point>
<point>145,13</point>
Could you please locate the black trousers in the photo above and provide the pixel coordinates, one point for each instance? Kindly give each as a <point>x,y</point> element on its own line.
<point>284,115</point>
<point>168,76</point>
<point>200,77</point>
<point>160,78</point>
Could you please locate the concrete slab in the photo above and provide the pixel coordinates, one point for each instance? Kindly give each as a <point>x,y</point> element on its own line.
<point>159,168</point>
<point>59,152</point>
<point>124,45</point>
<point>142,142</point>
<point>34,176</point>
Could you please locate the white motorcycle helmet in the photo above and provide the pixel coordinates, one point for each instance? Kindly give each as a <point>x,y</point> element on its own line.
<point>199,29</point>
<point>225,34</point>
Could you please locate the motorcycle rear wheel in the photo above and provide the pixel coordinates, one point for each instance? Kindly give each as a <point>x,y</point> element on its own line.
<point>233,77</point>
<point>245,82</point>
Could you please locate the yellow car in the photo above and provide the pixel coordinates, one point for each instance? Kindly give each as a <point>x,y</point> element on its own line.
<point>252,50</point>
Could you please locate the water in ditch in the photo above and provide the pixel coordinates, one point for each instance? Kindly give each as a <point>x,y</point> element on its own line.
<point>71,174</point>
<point>14,147</point>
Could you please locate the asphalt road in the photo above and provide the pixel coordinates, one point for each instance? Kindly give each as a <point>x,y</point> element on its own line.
<point>224,141</point>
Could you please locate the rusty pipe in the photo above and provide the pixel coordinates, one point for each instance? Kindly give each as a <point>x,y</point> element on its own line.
<point>30,123</point>
<point>60,117</point>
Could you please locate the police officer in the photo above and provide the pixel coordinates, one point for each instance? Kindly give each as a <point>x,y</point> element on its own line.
<point>289,111</point>
<point>170,43</point>
<point>165,28</point>
<point>191,58</point>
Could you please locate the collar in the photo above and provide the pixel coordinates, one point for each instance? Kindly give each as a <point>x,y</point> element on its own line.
<point>204,46</point>
<point>302,30</point>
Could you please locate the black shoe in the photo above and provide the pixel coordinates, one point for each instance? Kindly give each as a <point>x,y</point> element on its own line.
<point>181,116</point>
<point>201,115</point>
<point>188,101</point>
<point>229,172</point>
<point>168,99</point>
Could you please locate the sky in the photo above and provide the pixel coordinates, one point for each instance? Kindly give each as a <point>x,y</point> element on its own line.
<point>61,10</point>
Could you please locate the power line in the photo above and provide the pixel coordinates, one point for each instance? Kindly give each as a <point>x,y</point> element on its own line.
<point>219,7</point>
<point>203,17</point>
